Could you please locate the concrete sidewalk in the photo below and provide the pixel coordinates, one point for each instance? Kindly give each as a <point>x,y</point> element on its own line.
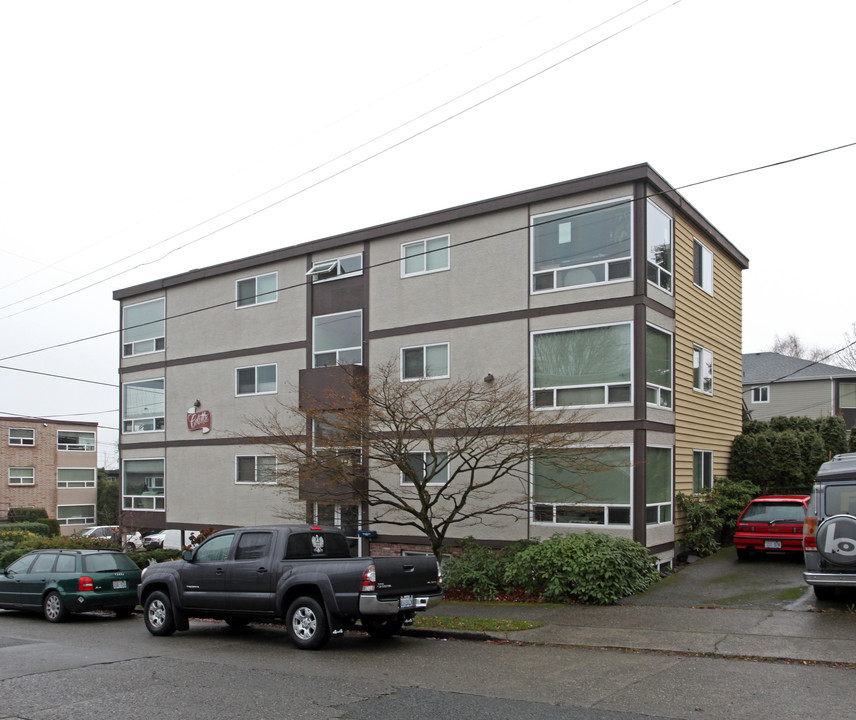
<point>780,619</point>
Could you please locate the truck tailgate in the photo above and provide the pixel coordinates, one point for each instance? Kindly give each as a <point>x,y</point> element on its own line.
<point>405,575</point>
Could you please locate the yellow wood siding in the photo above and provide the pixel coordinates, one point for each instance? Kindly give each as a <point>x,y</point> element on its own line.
<point>702,421</point>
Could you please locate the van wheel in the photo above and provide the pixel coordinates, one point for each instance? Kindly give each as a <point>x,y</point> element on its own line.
<point>307,624</point>
<point>824,592</point>
<point>158,614</point>
<point>54,608</point>
<point>382,628</point>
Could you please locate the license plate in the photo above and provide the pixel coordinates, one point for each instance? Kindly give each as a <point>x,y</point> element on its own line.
<point>773,544</point>
<point>120,584</point>
<point>406,601</point>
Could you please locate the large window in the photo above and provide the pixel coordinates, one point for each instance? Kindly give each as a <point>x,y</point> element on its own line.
<point>143,484</point>
<point>256,290</point>
<point>75,441</point>
<point>588,366</point>
<point>143,406</point>
<point>658,485</point>
<point>143,327</point>
<point>75,477</point>
<point>257,469</point>
<point>425,361</point>
<point>22,436</point>
<point>75,514</point>
<point>659,241</point>
<point>338,339</point>
<point>335,268</point>
<point>702,470</point>
<point>703,267</point>
<point>581,246</point>
<point>425,468</point>
<point>703,369</point>
<point>255,380</point>
<point>425,256</point>
<point>22,476</point>
<point>658,367</point>
<point>562,495</point>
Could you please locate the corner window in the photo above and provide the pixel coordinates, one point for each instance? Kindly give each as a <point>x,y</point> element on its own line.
<point>22,476</point>
<point>702,470</point>
<point>426,468</point>
<point>75,514</point>
<point>703,369</point>
<point>143,328</point>
<point>425,361</point>
<point>336,268</point>
<point>658,367</point>
<point>589,366</point>
<point>143,406</point>
<point>75,478</point>
<point>75,441</point>
<point>581,246</point>
<point>761,394</point>
<point>22,436</point>
<point>338,339</point>
<point>564,496</point>
<point>143,484</point>
<point>425,256</point>
<point>659,241</point>
<point>658,485</point>
<point>257,469</point>
<point>703,267</point>
<point>256,380</point>
<point>256,290</point>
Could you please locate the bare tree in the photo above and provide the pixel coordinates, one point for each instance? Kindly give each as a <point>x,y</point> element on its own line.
<point>427,454</point>
<point>792,346</point>
<point>846,357</point>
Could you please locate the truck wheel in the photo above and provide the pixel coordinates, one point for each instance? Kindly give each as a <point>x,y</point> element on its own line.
<point>307,624</point>
<point>382,628</point>
<point>158,614</point>
<point>54,608</point>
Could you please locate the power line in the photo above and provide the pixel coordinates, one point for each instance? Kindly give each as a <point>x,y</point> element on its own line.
<point>61,377</point>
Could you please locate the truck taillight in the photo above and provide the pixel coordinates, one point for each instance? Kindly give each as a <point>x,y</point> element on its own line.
<point>85,583</point>
<point>369,579</point>
<point>809,530</point>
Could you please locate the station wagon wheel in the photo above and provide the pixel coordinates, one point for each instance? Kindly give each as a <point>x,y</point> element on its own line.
<point>54,608</point>
<point>157,613</point>
<point>307,624</point>
<point>382,628</point>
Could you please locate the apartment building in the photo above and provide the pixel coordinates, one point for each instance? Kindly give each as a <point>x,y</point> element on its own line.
<point>615,274</point>
<point>50,464</point>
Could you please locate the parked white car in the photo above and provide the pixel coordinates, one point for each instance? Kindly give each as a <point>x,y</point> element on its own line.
<point>166,540</point>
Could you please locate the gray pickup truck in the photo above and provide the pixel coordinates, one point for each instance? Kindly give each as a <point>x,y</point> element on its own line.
<point>301,574</point>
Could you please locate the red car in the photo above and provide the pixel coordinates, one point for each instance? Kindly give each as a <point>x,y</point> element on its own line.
<point>771,522</point>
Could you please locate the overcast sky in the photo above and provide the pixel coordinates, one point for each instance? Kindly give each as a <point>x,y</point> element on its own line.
<point>141,140</point>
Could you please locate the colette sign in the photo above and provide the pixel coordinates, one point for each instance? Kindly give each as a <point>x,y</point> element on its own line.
<point>199,420</point>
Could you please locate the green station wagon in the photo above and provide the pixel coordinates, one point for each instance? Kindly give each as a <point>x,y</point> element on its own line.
<point>60,582</point>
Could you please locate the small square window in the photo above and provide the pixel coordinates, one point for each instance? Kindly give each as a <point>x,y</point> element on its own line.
<point>761,394</point>
<point>22,436</point>
<point>425,256</point>
<point>256,380</point>
<point>256,290</point>
<point>425,362</point>
<point>336,268</point>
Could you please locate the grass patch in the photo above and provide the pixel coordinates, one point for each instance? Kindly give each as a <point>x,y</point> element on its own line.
<point>474,624</point>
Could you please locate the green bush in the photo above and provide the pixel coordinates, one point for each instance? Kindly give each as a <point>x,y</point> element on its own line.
<point>34,528</point>
<point>479,568</point>
<point>729,498</point>
<point>703,524</point>
<point>591,568</point>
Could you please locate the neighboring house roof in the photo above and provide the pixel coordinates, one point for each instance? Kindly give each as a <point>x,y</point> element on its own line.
<point>769,367</point>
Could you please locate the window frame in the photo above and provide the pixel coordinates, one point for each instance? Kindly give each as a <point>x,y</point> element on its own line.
<point>132,422</point>
<point>351,348</point>
<point>702,266</point>
<point>331,269</point>
<point>424,375</point>
<point>659,269</point>
<point>158,500</point>
<point>659,389</point>
<point>23,440</point>
<point>426,454</point>
<point>77,447</point>
<point>581,210</point>
<point>81,518</point>
<point>760,395</point>
<point>700,377</point>
<point>255,369</point>
<point>255,298</point>
<point>158,341</point>
<point>32,478</point>
<point>424,255</point>
<point>661,506</point>
<point>607,386</point>
<point>256,470</point>
<point>76,484</point>
<point>705,483</point>
<point>606,507</point>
